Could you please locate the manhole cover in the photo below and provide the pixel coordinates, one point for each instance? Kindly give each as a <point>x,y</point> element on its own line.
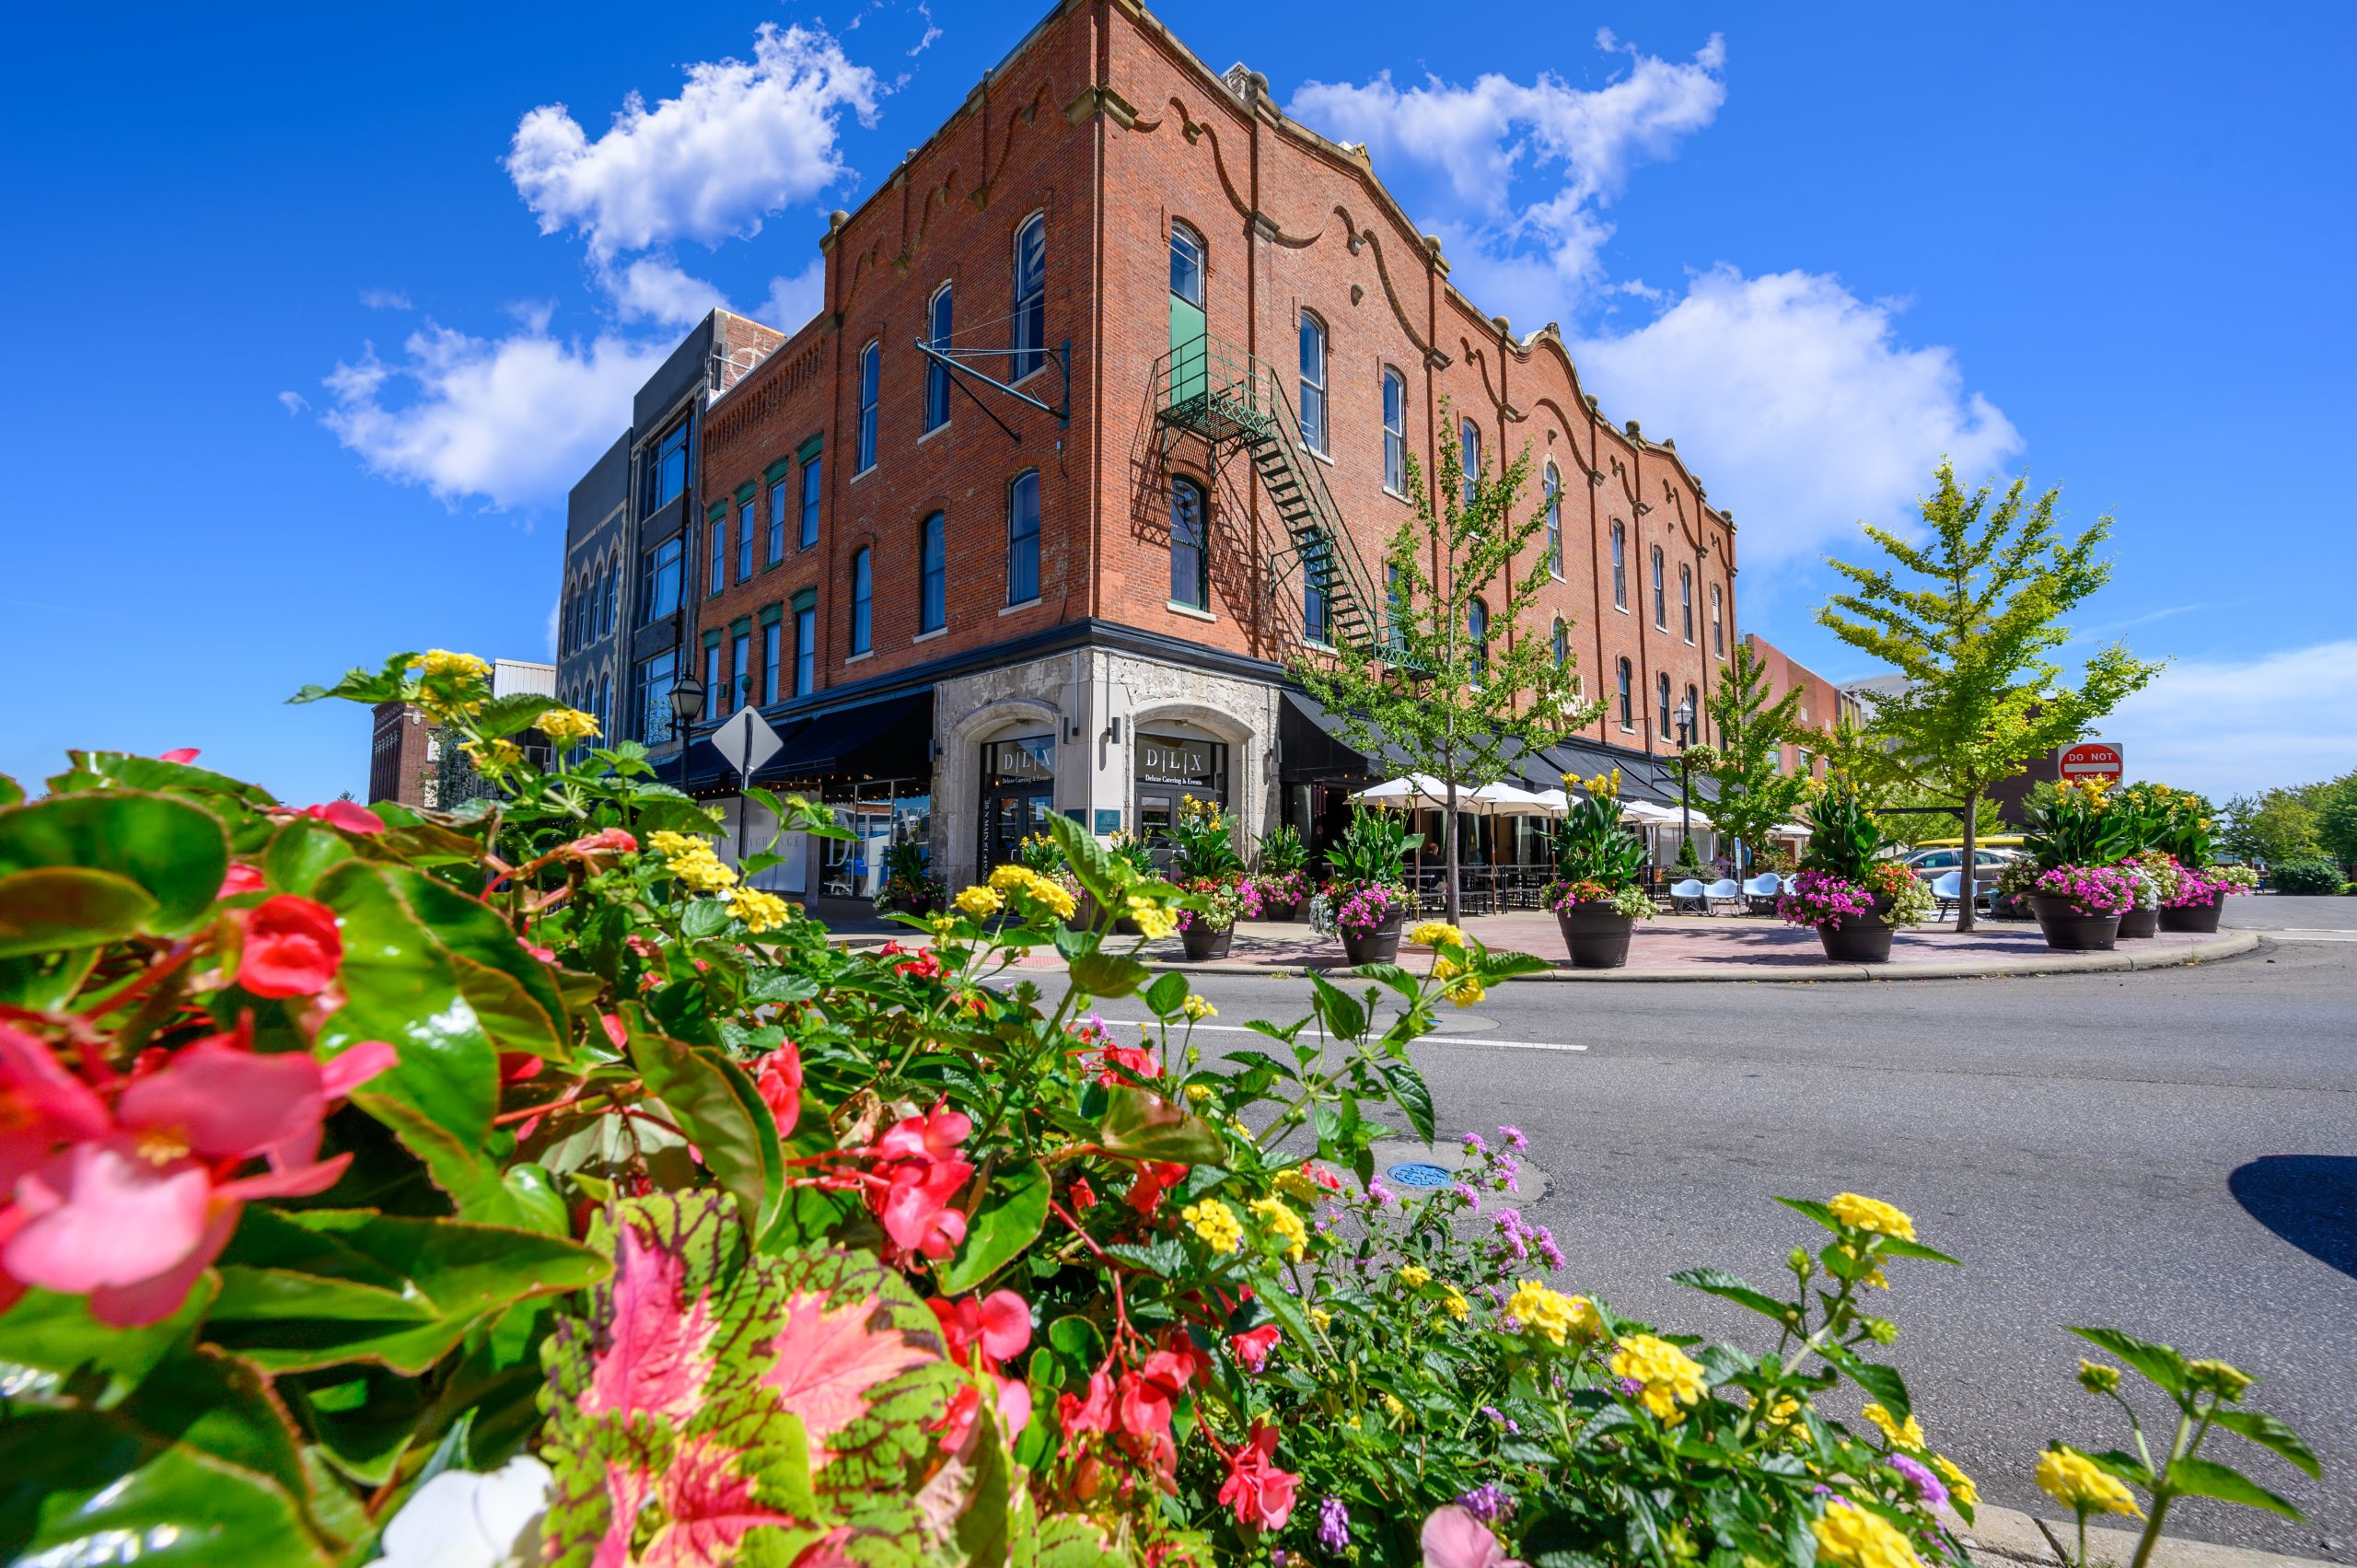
<point>1417,1173</point>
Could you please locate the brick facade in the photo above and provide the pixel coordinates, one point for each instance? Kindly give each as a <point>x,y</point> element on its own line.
<point>1823,705</point>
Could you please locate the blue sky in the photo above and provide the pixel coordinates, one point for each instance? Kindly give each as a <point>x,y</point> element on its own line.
<point>314,314</point>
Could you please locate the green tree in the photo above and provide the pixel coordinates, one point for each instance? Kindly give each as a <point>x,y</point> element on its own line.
<point>1755,796</point>
<point>1972,616</point>
<point>2270,828</point>
<point>1454,684</point>
<point>2337,817</point>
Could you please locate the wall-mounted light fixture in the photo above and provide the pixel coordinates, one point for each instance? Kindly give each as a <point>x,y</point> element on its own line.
<point>1113,729</point>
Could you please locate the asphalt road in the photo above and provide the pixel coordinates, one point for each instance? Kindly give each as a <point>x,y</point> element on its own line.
<point>2173,1153</point>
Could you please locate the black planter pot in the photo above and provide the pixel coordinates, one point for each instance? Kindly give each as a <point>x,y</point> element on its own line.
<point>1281,911</point>
<point>2068,931</point>
<point>1597,934</point>
<point>1860,939</point>
<point>2193,917</point>
<point>2141,923</point>
<point>1202,943</point>
<point>1380,945</point>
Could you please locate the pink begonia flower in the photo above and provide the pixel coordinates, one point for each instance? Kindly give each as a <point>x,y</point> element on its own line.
<point>1000,1323</point>
<point>917,1172</point>
<point>1261,1493</point>
<point>1454,1539</point>
<point>132,1216</point>
<point>41,1105</point>
<point>778,1077</point>
<point>352,817</point>
<point>292,947</point>
<point>182,754</point>
<point>239,880</point>
<point>606,840</point>
<point>1253,1345</point>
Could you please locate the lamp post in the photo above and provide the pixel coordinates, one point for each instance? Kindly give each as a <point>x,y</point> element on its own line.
<point>687,700</point>
<point>1685,795</point>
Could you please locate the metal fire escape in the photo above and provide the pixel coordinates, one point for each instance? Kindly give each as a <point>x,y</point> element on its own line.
<point>1215,390</point>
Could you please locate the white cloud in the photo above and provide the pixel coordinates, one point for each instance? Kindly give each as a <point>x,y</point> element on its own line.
<point>1796,402</point>
<point>385,299</point>
<point>794,300</point>
<point>743,140</point>
<point>654,289</point>
<point>515,418</point>
<point>2227,727</point>
<point>1466,148</point>
<point>294,403</point>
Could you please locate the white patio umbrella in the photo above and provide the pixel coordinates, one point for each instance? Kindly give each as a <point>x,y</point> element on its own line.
<point>1553,802</point>
<point>1413,792</point>
<point>1511,800</point>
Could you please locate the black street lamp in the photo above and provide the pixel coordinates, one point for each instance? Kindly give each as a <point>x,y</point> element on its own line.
<point>687,700</point>
<point>1685,795</point>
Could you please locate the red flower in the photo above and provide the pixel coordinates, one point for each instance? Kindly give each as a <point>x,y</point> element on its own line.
<point>1000,1323</point>
<point>1084,1196</point>
<point>1252,1346</point>
<point>240,880</point>
<point>291,948</point>
<point>616,1030</point>
<point>1136,1061</point>
<point>1093,1414</point>
<point>345,814</point>
<point>1261,1493</point>
<point>182,754</point>
<point>515,1066</point>
<point>778,1076</point>
<point>1154,1179</point>
<point>1145,1396</point>
<point>919,1171</point>
<point>543,954</point>
<point>606,840</point>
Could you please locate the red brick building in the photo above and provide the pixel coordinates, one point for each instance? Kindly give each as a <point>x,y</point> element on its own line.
<point>1823,705</point>
<point>1217,342</point>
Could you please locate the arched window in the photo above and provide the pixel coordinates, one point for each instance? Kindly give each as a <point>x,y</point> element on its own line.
<point>1563,640</point>
<point>604,611</point>
<point>1661,598</point>
<point>1661,700</point>
<point>1395,608</point>
<point>1619,566</point>
<point>1191,575</point>
<point>870,381</point>
<point>1477,631</point>
<point>1023,538</point>
<point>1628,701</point>
<point>1394,431</point>
<point>1468,454</point>
<point>1692,708</point>
<point>1313,383</point>
<point>937,375</point>
<point>1554,484</point>
<point>1718,625</point>
<point>1030,298</point>
<point>1686,599</point>
<point>863,599</point>
<point>1317,565</point>
<point>933,573</point>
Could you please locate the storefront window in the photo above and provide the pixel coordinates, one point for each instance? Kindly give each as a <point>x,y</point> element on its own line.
<point>879,813</point>
<point>1019,792</point>
<point>1170,769</point>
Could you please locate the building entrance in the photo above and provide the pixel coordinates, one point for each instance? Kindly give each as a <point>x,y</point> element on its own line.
<point>1018,793</point>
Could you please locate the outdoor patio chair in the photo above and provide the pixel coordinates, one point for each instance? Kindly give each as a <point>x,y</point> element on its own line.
<point>1948,887</point>
<point>1762,890</point>
<point>1690,891</point>
<point>1726,891</point>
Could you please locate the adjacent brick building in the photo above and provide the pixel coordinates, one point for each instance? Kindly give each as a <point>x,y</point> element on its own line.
<point>1217,342</point>
<point>1823,705</point>
<point>411,764</point>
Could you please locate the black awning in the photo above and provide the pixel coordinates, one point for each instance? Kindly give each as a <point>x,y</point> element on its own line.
<point>1641,776</point>
<point>1310,748</point>
<point>889,739</point>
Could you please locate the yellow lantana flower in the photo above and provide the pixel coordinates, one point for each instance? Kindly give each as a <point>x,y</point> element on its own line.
<point>1320,1319</point>
<point>442,661</point>
<point>1436,934</point>
<point>1149,917</point>
<point>1415,1276</point>
<point>690,859</point>
<point>1849,1536</point>
<point>563,726</point>
<point>1454,1300</point>
<point>1908,1436</point>
<point>979,901</point>
<point>1283,1226</point>
<point>1541,1311</point>
<point>1392,1407</point>
<point>1670,1377</point>
<point>1195,1007</point>
<point>761,912</point>
<point>1216,1223</point>
<point>2077,1482</point>
<point>1871,1214</point>
<point>492,756</point>
<point>1960,1485</point>
<point>1012,877</point>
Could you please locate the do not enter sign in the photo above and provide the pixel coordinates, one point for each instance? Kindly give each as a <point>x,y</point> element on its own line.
<point>2091,760</point>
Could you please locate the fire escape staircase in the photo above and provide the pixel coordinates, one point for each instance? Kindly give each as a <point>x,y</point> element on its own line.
<point>1233,401</point>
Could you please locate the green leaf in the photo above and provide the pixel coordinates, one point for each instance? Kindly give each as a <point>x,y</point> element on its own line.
<point>703,918</point>
<point>1263,1059</point>
<point>224,1406</point>
<point>2161,1365</point>
<point>1343,1017</point>
<point>471,1182</point>
<point>1719,1283</point>
<point>1408,1093</point>
<point>1815,1210</point>
<point>2206,1478</point>
<point>779,985</point>
<point>1141,1124</point>
<point>1894,1247</point>
<point>2259,1427</point>
<point>45,982</point>
<point>53,908</point>
<point>77,1485</point>
<point>1079,1342</point>
<point>512,714</point>
<point>1008,1221</point>
<point>1165,1255</point>
<point>1088,859</point>
<point>515,996</point>
<point>174,850</point>
<point>299,851</point>
<point>250,1294</point>
<point>1107,975</point>
<point>11,792</point>
<point>1882,1382</point>
<point>1166,993</point>
<point>54,1334</point>
<point>722,1115</point>
<point>401,988</point>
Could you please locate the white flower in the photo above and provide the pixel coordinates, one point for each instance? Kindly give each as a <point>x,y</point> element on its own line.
<point>463,1519</point>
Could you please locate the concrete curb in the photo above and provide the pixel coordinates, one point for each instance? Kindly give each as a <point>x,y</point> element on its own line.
<point>2225,945</point>
<point>2004,1537</point>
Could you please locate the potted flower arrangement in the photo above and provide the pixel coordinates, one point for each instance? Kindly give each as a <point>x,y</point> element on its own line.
<point>2076,841</point>
<point>1366,898</point>
<point>2202,884</point>
<point>1598,896</point>
<point>1279,885</point>
<point>1137,854</point>
<point>1207,868</point>
<point>908,888</point>
<point>1853,900</point>
<point>1040,855</point>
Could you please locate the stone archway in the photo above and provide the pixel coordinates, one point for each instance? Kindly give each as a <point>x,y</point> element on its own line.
<point>958,777</point>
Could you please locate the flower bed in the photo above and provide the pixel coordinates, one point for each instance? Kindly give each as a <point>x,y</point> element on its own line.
<point>523,1188</point>
<point>2211,884</point>
<point>2089,890</point>
<point>1561,897</point>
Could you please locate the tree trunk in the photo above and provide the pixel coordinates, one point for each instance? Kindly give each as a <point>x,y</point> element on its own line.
<point>1448,827</point>
<point>1972,872</point>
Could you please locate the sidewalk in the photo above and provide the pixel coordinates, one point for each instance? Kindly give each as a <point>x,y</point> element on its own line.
<point>1711,948</point>
<point>2003,1537</point>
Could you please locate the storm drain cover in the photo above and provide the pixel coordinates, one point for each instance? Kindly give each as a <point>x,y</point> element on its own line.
<point>1417,1173</point>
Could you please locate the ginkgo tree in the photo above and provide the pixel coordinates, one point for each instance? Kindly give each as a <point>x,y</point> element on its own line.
<point>1972,613</point>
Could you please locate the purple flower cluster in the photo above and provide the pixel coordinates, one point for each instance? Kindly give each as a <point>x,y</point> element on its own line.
<point>1821,899</point>
<point>1263,892</point>
<point>2199,889</point>
<point>1517,1238</point>
<point>1367,906</point>
<point>1488,1501</point>
<point>1929,1489</point>
<point>2092,890</point>
<point>1333,1525</point>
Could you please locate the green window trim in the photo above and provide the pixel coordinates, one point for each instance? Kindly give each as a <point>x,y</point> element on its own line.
<point>777,470</point>
<point>719,513</point>
<point>772,614</point>
<point>808,599</point>
<point>809,448</point>
<point>741,626</point>
<point>712,638</point>
<point>746,491</point>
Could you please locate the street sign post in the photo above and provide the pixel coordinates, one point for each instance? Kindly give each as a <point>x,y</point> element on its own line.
<point>746,742</point>
<point>2091,760</point>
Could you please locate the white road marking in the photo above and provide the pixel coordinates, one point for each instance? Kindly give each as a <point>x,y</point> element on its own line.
<point>1436,1040</point>
<point>2311,933</point>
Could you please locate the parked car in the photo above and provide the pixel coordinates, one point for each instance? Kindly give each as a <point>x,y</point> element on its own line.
<point>1928,865</point>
